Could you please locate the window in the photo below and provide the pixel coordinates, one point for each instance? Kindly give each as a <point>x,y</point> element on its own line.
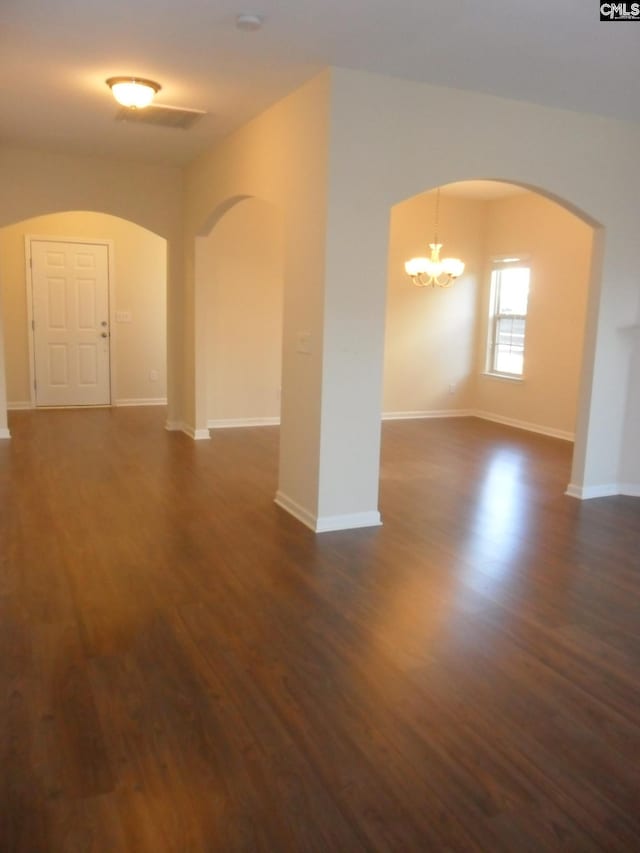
<point>508,317</point>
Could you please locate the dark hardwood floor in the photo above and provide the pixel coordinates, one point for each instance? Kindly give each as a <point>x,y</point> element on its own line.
<point>184,667</point>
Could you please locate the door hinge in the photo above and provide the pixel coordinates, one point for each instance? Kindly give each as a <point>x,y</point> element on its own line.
<point>33,324</point>
<point>31,262</point>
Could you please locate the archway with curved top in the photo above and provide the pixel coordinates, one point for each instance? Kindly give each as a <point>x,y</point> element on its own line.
<point>238,279</point>
<point>438,342</point>
<point>137,259</point>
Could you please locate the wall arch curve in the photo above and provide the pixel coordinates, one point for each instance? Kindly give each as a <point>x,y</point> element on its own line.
<point>138,283</point>
<point>594,291</point>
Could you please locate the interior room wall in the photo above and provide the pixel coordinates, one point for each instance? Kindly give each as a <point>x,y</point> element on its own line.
<point>4,421</point>
<point>436,338</point>
<point>138,286</point>
<point>452,136</point>
<point>430,335</point>
<point>558,246</point>
<point>244,315</point>
<point>38,182</point>
<point>629,473</point>
<point>280,157</point>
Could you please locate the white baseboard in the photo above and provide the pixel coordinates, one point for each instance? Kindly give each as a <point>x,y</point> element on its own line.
<point>607,490</point>
<point>198,434</point>
<point>327,523</point>
<point>435,413</point>
<point>180,426</point>
<point>349,521</point>
<point>477,413</point>
<point>585,493</point>
<point>142,401</point>
<point>229,423</point>
<point>513,422</point>
<point>4,433</point>
<point>19,405</point>
<point>297,511</point>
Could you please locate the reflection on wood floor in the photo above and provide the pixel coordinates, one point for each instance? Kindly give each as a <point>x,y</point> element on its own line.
<point>185,667</point>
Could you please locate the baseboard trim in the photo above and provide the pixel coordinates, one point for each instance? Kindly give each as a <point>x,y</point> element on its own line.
<point>327,523</point>
<point>20,405</point>
<point>142,401</point>
<point>423,415</point>
<point>607,490</point>
<point>180,426</point>
<point>349,521</point>
<point>552,432</point>
<point>289,505</point>
<point>232,423</point>
<point>4,433</point>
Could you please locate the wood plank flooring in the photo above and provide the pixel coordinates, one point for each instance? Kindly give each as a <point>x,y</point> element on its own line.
<point>184,667</point>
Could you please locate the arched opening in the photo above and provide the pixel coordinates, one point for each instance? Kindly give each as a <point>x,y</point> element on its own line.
<point>239,295</point>
<point>133,319</point>
<point>455,352</point>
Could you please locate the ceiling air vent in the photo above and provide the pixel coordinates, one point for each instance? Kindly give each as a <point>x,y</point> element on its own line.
<point>161,116</point>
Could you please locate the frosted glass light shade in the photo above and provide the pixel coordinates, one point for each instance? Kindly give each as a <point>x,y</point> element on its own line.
<point>416,266</point>
<point>452,267</point>
<point>133,92</point>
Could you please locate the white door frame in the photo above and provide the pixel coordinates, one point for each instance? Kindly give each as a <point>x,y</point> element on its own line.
<point>93,241</point>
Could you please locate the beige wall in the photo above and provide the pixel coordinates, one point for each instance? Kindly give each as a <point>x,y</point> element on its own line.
<point>244,314</point>
<point>437,338</point>
<point>138,285</point>
<point>38,182</point>
<point>559,246</point>
<point>455,135</point>
<point>430,335</point>
<point>280,157</point>
<point>331,157</point>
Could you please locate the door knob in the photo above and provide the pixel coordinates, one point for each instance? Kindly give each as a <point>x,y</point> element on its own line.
<point>104,334</point>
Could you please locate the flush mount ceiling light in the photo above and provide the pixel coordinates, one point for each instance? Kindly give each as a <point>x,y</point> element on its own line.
<point>133,92</point>
<point>432,272</point>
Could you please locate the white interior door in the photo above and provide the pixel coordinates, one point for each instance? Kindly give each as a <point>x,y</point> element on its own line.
<point>70,283</point>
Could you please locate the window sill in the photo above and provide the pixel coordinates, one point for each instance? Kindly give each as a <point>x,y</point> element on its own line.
<point>505,376</point>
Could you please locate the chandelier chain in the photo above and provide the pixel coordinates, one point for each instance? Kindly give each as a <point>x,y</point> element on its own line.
<point>432,271</point>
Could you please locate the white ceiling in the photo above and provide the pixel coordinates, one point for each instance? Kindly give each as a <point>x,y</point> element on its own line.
<point>55,57</point>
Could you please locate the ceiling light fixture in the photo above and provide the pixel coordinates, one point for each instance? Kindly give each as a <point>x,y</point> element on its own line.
<point>429,272</point>
<point>136,93</point>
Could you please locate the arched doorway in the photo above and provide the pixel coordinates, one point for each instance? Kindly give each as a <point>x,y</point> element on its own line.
<point>136,261</point>
<point>488,221</point>
<point>440,354</point>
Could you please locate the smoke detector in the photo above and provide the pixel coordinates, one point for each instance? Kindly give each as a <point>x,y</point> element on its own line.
<point>249,22</point>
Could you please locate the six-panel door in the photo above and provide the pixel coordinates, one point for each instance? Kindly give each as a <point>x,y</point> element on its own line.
<point>71,323</point>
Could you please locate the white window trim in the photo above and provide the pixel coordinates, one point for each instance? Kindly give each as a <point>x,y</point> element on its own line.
<point>512,259</point>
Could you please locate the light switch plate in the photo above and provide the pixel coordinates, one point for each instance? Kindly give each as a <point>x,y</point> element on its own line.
<point>123,316</point>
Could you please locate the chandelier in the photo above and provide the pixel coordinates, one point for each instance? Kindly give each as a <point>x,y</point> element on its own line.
<point>429,272</point>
